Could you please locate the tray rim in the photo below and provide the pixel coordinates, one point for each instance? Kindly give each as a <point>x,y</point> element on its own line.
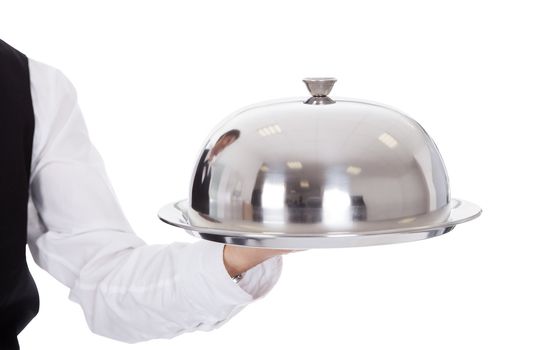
<point>172,214</point>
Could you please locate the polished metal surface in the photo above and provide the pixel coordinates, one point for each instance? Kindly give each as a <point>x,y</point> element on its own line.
<point>291,174</point>
<point>319,89</point>
<point>307,236</point>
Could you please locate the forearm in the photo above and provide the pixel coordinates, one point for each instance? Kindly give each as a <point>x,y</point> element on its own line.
<point>144,292</point>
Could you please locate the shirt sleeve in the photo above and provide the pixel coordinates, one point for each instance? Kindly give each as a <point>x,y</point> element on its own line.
<point>128,290</point>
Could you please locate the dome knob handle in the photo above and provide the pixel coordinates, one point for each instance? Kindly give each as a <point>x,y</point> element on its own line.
<point>319,89</point>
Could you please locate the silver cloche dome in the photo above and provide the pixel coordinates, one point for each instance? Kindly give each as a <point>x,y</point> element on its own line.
<point>318,172</point>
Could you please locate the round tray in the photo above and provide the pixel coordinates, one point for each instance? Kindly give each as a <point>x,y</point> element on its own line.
<point>306,236</point>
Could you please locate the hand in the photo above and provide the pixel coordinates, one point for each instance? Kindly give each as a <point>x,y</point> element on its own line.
<point>238,259</point>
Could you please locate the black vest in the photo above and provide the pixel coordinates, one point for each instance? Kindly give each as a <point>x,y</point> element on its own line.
<point>19,301</point>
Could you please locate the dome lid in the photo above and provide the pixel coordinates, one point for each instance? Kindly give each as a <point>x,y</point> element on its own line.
<point>318,172</point>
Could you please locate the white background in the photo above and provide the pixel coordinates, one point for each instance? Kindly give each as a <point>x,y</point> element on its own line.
<point>154,77</point>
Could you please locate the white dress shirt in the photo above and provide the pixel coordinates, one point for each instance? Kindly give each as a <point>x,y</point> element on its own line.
<point>128,290</point>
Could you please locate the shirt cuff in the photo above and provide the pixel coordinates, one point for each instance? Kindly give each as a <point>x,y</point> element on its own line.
<point>255,284</point>
<point>260,279</point>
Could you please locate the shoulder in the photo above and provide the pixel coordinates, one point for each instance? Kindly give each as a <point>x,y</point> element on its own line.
<point>54,101</point>
<point>53,95</point>
<point>46,79</point>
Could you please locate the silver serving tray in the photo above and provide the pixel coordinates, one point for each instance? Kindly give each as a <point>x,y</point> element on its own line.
<point>307,236</point>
